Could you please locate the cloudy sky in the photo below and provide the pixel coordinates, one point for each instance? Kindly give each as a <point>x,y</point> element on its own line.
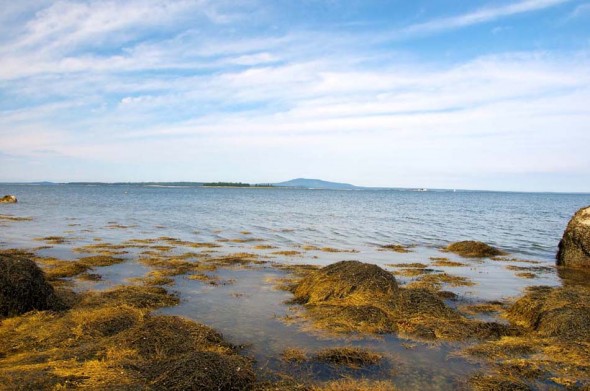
<point>442,94</point>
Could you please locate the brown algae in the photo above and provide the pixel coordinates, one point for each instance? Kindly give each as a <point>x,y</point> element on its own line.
<point>351,296</point>
<point>109,339</point>
<point>352,357</point>
<point>473,249</point>
<point>398,248</point>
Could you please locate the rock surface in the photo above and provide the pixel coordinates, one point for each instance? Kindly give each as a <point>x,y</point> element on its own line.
<point>8,199</point>
<point>574,247</point>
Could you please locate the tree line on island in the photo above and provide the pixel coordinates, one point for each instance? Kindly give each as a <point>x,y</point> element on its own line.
<point>236,184</point>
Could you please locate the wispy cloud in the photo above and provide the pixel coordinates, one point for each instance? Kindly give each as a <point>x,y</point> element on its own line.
<point>580,11</point>
<point>483,15</point>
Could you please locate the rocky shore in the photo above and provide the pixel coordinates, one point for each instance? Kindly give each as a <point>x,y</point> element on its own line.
<point>55,336</point>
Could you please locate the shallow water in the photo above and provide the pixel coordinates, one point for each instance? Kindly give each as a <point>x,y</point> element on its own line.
<point>250,309</point>
<point>522,223</point>
<point>247,309</point>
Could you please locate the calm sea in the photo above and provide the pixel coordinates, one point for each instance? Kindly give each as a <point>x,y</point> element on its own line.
<point>524,224</point>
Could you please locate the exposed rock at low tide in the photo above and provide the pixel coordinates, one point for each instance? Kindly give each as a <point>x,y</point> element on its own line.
<point>554,312</point>
<point>351,296</point>
<point>8,199</point>
<point>574,247</point>
<point>23,286</point>
<point>473,249</point>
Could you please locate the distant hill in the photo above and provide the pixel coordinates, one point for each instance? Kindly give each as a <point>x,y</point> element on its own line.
<point>304,183</point>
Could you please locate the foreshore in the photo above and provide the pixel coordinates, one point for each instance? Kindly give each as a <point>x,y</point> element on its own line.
<point>277,318</point>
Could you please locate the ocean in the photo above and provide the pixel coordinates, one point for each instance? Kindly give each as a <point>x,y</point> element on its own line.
<point>297,226</point>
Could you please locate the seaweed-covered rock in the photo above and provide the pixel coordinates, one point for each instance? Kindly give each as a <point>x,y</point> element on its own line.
<point>23,286</point>
<point>350,281</point>
<point>554,312</point>
<point>574,247</point>
<point>421,302</point>
<point>8,199</point>
<point>351,296</point>
<point>473,249</point>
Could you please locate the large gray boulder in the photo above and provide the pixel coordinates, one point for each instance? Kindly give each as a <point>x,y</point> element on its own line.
<point>574,247</point>
<point>8,199</point>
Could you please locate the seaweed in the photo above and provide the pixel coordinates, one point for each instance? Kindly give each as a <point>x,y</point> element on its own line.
<point>351,357</point>
<point>473,249</point>
<point>23,286</point>
<point>398,248</point>
<point>351,296</point>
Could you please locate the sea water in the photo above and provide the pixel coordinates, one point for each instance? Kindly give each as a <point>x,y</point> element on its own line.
<point>249,311</point>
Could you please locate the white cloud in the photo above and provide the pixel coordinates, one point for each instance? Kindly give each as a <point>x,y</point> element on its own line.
<point>483,15</point>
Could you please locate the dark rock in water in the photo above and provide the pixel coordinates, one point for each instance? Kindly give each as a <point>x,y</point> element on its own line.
<point>8,199</point>
<point>23,286</point>
<point>574,247</point>
<point>473,249</point>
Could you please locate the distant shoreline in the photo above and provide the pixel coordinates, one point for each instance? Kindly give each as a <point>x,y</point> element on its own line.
<point>279,186</point>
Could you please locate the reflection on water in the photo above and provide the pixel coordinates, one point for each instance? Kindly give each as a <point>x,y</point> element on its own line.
<point>250,309</point>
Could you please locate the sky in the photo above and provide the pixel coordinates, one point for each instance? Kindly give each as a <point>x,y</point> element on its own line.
<point>438,94</point>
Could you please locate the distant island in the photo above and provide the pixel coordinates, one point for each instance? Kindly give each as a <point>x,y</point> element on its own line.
<point>226,184</point>
<point>298,183</point>
<point>304,183</point>
<point>235,184</point>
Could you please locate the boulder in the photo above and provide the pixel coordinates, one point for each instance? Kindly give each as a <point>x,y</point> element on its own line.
<point>574,247</point>
<point>8,199</point>
<point>349,282</point>
<point>558,312</point>
<point>23,286</point>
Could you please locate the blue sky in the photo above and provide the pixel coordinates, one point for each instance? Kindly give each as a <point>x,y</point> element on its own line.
<point>454,94</point>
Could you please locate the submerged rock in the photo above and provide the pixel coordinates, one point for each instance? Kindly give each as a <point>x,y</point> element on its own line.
<point>574,247</point>
<point>8,199</point>
<point>473,249</point>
